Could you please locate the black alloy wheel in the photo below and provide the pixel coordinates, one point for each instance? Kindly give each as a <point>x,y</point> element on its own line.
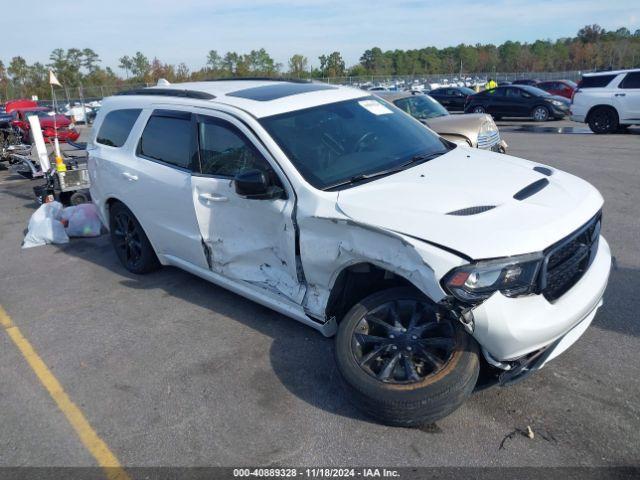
<point>130,242</point>
<point>403,341</point>
<point>603,120</point>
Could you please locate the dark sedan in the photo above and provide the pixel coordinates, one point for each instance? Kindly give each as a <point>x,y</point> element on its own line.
<point>518,101</point>
<point>452,98</point>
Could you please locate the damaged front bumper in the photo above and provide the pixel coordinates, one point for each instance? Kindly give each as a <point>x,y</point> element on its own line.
<point>522,334</point>
<point>525,366</point>
<point>500,147</point>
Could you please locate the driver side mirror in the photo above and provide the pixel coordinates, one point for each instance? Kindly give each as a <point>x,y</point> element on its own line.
<point>255,185</point>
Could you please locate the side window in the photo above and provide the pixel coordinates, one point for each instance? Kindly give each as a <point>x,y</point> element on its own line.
<point>596,81</point>
<point>513,93</point>
<point>225,151</point>
<point>116,127</point>
<point>403,104</point>
<point>167,139</point>
<point>632,80</point>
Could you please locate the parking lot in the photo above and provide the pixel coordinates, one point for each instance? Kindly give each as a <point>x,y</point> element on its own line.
<point>171,370</point>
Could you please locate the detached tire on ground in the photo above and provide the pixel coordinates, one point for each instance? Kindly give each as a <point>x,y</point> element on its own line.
<point>402,363</point>
<point>130,242</point>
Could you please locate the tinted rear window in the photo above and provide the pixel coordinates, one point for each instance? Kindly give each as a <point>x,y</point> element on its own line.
<point>596,81</point>
<point>116,127</point>
<point>167,139</point>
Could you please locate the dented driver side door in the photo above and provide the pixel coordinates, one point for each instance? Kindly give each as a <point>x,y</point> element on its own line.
<point>244,239</point>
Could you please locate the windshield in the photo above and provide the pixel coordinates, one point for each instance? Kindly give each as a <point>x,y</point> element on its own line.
<point>340,142</point>
<point>467,91</point>
<point>421,107</point>
<point>538,92</point>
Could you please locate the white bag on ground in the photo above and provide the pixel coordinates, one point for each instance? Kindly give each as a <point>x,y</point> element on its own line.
<point>83,220</point>
<point>45,226</point>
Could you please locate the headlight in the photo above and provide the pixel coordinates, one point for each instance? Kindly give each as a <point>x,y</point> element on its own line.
<point>557,103</point>
<point>513,276</point>
<point>488,128</point>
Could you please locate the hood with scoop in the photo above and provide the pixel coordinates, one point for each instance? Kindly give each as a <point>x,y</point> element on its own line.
<point>477,203</point>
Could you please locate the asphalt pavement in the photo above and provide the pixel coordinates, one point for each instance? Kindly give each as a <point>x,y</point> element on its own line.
<point>171,370</point>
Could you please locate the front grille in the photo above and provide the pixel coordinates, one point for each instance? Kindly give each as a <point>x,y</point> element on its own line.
<point>566,262</point>
<point>487,141</point>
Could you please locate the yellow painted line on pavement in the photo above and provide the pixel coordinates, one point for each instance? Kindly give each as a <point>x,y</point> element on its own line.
<point>89,438</point>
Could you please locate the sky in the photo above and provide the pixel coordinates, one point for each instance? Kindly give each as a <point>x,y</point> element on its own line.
<point>185,30</point>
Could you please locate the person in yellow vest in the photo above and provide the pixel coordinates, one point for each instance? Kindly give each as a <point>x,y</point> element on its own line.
<point>491,84</point>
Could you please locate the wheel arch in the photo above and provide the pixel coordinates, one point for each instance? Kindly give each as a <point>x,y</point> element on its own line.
<point>601,105</point>
<point>109,203</point>
<point>357,280</point>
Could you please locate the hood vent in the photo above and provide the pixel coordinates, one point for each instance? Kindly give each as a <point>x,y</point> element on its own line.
<point>532,189</point>
<point>543,170</point>
<point>472,210</point>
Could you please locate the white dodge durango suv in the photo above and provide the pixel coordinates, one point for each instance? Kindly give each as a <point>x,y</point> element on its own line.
<point>337,209</point>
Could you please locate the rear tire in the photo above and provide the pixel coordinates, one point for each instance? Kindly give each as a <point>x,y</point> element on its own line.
<point>603,120</point>
<point>130,242</point>
<point>437,383</point>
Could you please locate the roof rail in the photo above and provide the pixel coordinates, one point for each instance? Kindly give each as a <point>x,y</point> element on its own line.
<point>268,79</point>
<point>169,92</point>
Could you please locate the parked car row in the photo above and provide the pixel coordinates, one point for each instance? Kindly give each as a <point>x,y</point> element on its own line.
<point>426,259</point>
<point>50,121</point>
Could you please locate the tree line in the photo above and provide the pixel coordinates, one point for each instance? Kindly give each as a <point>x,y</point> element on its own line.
<point>592,48</point>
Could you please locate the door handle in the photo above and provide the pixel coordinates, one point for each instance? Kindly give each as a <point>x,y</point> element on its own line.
<point>212,197</point>
<point>130,176</point>
<point>620,95</point>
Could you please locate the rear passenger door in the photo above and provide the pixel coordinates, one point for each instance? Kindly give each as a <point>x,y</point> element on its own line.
<point>519,102</point>
<point>627,98</point>
<point>158,184</point>
<point>246,239</point>
<point>496,103</point>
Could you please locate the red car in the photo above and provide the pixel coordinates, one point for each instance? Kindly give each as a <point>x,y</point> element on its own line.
<point>564,88</point>
<point>20,103</point>
<point>66,131</point>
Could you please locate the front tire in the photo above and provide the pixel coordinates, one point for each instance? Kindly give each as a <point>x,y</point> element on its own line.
<point>478,109</point>
<point>540,114</point>
<point>403,363</point>
<point>603,120</point>
<point>130,242</point>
